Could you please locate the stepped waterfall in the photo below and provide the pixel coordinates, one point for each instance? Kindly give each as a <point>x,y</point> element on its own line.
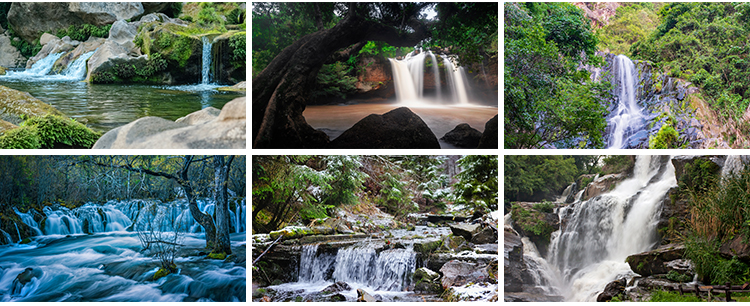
<point>408,77</point>
<point>599,233</point>
<point>627,118</point>
<point>40,71</point>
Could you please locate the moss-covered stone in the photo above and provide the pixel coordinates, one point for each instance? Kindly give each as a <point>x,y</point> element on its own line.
<point>49,132</point>
<point>219,256</point>
<point>2,70</point>
<point>427,247</point>
<point>291,232</point>
<point>16,106</point>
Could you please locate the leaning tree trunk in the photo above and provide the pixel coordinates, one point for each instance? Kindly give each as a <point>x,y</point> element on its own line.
<point>203,219</point>
<point>221,176</point>
<point>281,91</point>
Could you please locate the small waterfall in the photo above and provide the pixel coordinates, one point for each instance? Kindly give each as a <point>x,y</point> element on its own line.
<point>390,270</point>
<point>601,232</point>
<point>61,222</point>
<point>436,72</point>
<point>408,77</point>
<point>28,219</point>
<point>627,118</point>
<point>206,58</point>
<point>544,275</point>
<point>40,68</point>
<point>732,166</point>
<point>77,69</point>
<point>314,267</point>
<point>17,232</point>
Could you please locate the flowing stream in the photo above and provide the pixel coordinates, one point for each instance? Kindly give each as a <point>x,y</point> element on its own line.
<point>107,263</point>
<point>103,107</point>
<point>598,234</point>
<point>626,119</point>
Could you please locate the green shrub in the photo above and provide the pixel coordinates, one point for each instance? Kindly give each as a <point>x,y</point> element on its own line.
<point>83,32</point>
<point>333,80</point>
<point>238,46</point>
<point>545,206</point>
<point>666,138</point>
<point>678,277</point>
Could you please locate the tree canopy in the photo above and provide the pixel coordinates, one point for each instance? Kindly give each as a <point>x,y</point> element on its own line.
<point>548,101</point>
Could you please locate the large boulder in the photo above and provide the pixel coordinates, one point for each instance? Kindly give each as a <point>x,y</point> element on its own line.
<point>10,57</point>
<point>611,290</point>
<point>603,184</point>
<point>64,61</point>
<point>30,19</point>
<point>489,136</point>
<point>397,129</point>
<point>463,136</point>
<point>736,247</point>
<point>514,268</point>
<point>655,262</point>
<point>14,105</point>
<point>107,57</point>
<point>466,230</point>
<point>226,131</point>
<point>229,66</point>
<point>427,280</point>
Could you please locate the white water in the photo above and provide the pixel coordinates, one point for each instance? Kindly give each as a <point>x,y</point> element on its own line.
<point>601,232</point>
<point>408,77</point>
<point>206,61</point>
<point>40,71</point>
<point>627,119</point>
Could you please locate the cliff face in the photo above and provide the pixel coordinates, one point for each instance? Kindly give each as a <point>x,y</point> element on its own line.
<point>598,12</point>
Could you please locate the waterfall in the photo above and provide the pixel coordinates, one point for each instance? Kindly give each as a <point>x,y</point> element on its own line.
<point>627,118</point>
<point>77,69</point>
<point>390,270</point>
<point>543,274</point>
<point>61,222</point>
<point>28,219</point>
<point>601,232</point>
<point>206,65</point>
<point>408,77</point>
<point>41,68</point>
<point>17,232</point>
<point>436,73</point>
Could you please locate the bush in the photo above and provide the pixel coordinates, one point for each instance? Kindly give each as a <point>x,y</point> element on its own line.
<point>617,164</point>
<point>238,45</point>
<point>83,32</point>
<point>666,138</point>
<point>545,206</point>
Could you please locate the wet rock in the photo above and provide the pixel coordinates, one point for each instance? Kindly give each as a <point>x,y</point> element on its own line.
<point>452,243</point>
<point>489,136</point>
<point>490,248</point>
<point>427,281</point>
<point>14,105</point>
<point>64,61</point>
<point>363,296</point>
<point>603,184</point>
<point>466,230</point>
<point>514,268</point>
<point>611,290</point>
<point>488,234</point>
<point>227,131</point>
<point>654,262</point>
<point>397,129</point>
<point>463,136</point>
<point>427,246</point>
<point>459,273</point>
<point>337,287</point>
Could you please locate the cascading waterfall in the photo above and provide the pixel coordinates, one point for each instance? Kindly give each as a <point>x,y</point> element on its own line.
<point>206,58</point>
<point>627,118</point>
<point>601,232</point>
<point>41,68</point>
<point>408,77</point>
<point>28,219</point>
<point>77,69</point>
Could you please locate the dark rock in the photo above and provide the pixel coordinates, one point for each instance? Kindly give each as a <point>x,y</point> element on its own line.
<point>611,290</point>
<point>514,267</point>
<point>489,136</point>
<point>452,243</point>
<point>736,247</point>
<point>680,161</point>
<point>463,136</point>
<point>486,235</point>
<point>445,218</point>
<point>427,281</point>
<point>466,230</point>
<point>397,129</point>
<point>654,262</point>
<point>337,287</point>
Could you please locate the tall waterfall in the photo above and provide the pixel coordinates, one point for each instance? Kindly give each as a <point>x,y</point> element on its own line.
<point>627,118</point>
<point>408,77</point>
<point>206,61</point>
<point>601,232</point>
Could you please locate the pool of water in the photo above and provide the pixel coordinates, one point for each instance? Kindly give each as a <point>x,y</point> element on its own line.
<point>103,107</point>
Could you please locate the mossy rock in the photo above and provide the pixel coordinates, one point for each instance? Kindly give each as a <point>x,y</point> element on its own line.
<point>49,132</point>
<point>291,232</point>
<point>2,70</point>
<point>16,106</point>
<point>427,247</point>
<point>219,256</point>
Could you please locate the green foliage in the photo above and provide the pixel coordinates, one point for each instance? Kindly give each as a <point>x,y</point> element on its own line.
<point>666,138</point>
<point>26,49</point>
<point>394,196</point>
<point>84,31</point>
<point>673,275</point>
<point>699,176</point>
<point>545,206</point>
<point>548,101</point>
<point>531,222</point>
<point>138,72</point>
<point>333,80</point>
<point>379,48</point>
<point>345,180</point>
<point>238,46</point>
<point>468,29</point>
<point>477,184</point>
<point>49,132</point>
<point>532,177</point>
<point>706,43</point>
<point>208,15</point>
<point>632,22</point>
<point>617,164</point>
<point>236,16</point>
<point>671,296</point>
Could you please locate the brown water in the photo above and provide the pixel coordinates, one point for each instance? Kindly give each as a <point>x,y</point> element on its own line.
<point>335,119</point>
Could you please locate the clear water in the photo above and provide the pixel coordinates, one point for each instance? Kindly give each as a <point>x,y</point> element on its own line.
<point>103,107</point>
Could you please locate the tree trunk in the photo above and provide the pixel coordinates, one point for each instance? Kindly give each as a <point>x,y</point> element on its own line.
<point>281,91</point>
<point>221,176</point>
<point>203,219</point>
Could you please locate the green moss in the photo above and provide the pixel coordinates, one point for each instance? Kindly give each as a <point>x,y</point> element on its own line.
<point>220,256</point>
<point>161,273</point>
<point>49,132</point>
